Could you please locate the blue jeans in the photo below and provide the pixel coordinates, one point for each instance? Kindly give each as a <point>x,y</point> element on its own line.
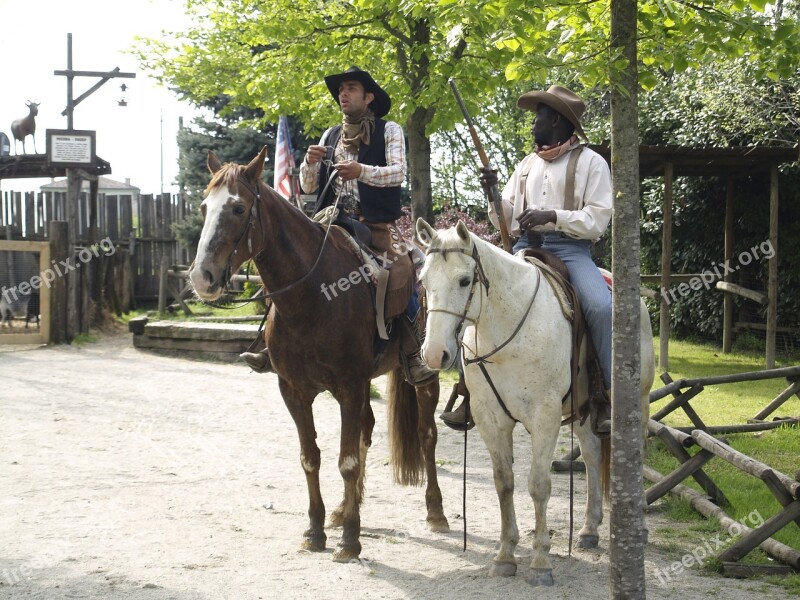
<point>590,287</point>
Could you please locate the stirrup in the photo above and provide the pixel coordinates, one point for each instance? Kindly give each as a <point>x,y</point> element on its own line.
<point>459,419</point>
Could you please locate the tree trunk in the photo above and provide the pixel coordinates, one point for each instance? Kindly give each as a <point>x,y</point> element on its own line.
<point>626,556</point>
<point>419,163</point>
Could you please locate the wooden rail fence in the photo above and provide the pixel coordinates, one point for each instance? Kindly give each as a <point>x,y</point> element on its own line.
<point>678,440</point>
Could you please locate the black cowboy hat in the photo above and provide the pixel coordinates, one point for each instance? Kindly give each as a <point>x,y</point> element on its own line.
<point>380,104</point>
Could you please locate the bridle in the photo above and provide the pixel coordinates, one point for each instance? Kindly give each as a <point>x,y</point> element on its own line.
<point>255,215</point>
<point>478,275</point>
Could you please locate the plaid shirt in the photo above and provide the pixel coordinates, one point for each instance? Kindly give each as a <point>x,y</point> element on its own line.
<point>391,175</point>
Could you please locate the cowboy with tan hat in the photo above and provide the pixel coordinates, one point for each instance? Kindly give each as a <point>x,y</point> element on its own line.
<point>559,199</point>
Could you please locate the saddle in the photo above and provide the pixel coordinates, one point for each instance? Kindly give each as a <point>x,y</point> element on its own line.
<point>359,237</point>
<point>556,273</point>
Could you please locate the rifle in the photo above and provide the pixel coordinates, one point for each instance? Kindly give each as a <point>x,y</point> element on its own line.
<point>494,192</point>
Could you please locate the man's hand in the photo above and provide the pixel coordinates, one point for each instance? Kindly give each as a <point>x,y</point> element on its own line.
<point>315,153</point>
<point>488,178</point>
<point>530,218</point>
<point>348,169</point>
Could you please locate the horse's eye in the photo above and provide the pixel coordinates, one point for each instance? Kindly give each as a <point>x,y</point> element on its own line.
<point>464,281</point>
<point>238,210</point>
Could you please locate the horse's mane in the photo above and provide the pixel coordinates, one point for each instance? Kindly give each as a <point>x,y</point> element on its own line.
<point>226,175</point>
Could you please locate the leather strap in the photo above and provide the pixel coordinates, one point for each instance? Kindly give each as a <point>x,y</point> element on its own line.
<point>569,183</point>
<point>380,301</point>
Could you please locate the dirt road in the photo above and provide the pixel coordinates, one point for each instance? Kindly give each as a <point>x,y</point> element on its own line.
<point>136,476</point>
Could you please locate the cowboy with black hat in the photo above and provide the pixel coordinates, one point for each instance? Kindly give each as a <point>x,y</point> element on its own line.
<point>559,199</point>
<point>368,155</point>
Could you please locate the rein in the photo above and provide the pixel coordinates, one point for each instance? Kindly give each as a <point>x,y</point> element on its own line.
<point>255,215</point>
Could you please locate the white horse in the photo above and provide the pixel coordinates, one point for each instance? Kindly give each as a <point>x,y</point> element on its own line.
<point>509,311</point>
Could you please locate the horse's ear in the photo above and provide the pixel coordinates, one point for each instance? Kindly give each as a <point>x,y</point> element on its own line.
<point>425,233</point>
<point>256,166</point>
<point>213,162</point>
<point>462,231</point>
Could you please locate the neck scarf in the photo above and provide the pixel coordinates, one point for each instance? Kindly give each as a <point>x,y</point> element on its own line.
<point>550,153</point>
<point>356,130</point>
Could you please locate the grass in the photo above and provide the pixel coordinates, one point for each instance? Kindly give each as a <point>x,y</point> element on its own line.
<point>728,404</point>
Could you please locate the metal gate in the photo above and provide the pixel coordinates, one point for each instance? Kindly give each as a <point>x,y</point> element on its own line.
<point>26,275</point>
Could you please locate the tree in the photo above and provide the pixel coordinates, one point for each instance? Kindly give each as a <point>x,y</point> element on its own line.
<point>274,56</point>
<point>626,549</point>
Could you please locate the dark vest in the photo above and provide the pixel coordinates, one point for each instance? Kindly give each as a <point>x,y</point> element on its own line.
<point>378,204</point>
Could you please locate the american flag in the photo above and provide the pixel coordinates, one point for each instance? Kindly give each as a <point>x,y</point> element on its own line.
<point>284,160</point>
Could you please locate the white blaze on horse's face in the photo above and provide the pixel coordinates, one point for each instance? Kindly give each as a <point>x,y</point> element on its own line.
<point>225,216</point>
<point>447,279</point>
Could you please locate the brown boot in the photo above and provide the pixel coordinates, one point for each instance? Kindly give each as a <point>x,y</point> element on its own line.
<point>418,371</point>
<point>600,412</point>
<point>258,361</point>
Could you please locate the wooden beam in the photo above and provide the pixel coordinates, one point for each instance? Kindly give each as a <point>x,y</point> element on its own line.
<point>732,288</point>
<point>727,299</point>
<point>772,285</point>
<point>666,269</point>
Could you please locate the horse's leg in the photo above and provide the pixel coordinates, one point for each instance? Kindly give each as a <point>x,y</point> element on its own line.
<point>353,401</point>
<point>299,404</point>
<point>543,441</point>
<point>336,518</point>
<point>590,450</point>
<point>499,441</point>
<point>427,399</point>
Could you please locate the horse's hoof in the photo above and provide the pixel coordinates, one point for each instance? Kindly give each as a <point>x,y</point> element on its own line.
<point>314,542</point>
<point>541,577</point>
<point>344,554</point>
<point>503,568</point>
<point>587,542</point>
<point>438,525</point>
<point>336,519</point>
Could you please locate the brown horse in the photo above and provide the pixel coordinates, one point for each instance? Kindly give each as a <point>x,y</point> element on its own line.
<point>317,341</point>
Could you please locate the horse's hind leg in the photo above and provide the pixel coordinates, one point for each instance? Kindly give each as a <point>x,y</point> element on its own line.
<point>299,405</point>
<point>590,450</point>
<point>336,518</point>
<point>427,399</point>
<point>352,402</point>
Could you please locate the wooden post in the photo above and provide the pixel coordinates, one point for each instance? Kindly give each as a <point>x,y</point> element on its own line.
<point>59,251</point>
<point>772,287</point>
<point>727,302</point>
<point>666,270</point>
<point>74,182</point>
<point>163,283</point>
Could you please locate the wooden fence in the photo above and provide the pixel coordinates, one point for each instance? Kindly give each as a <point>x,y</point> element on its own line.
<point>785,489</point>
<point>141,226</point>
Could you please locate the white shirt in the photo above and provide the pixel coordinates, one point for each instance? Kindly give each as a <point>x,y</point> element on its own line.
<point>544,190</point>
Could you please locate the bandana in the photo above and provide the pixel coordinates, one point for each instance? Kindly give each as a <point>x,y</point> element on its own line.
<point>550,153</point>
<point>357,130</point>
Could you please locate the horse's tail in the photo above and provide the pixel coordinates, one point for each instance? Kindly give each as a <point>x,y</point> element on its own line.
<point>605,467</point>
<point>408,460</point>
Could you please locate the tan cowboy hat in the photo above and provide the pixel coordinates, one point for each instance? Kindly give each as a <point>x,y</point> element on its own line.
<point>560,99</point>
<point>380,104</point>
